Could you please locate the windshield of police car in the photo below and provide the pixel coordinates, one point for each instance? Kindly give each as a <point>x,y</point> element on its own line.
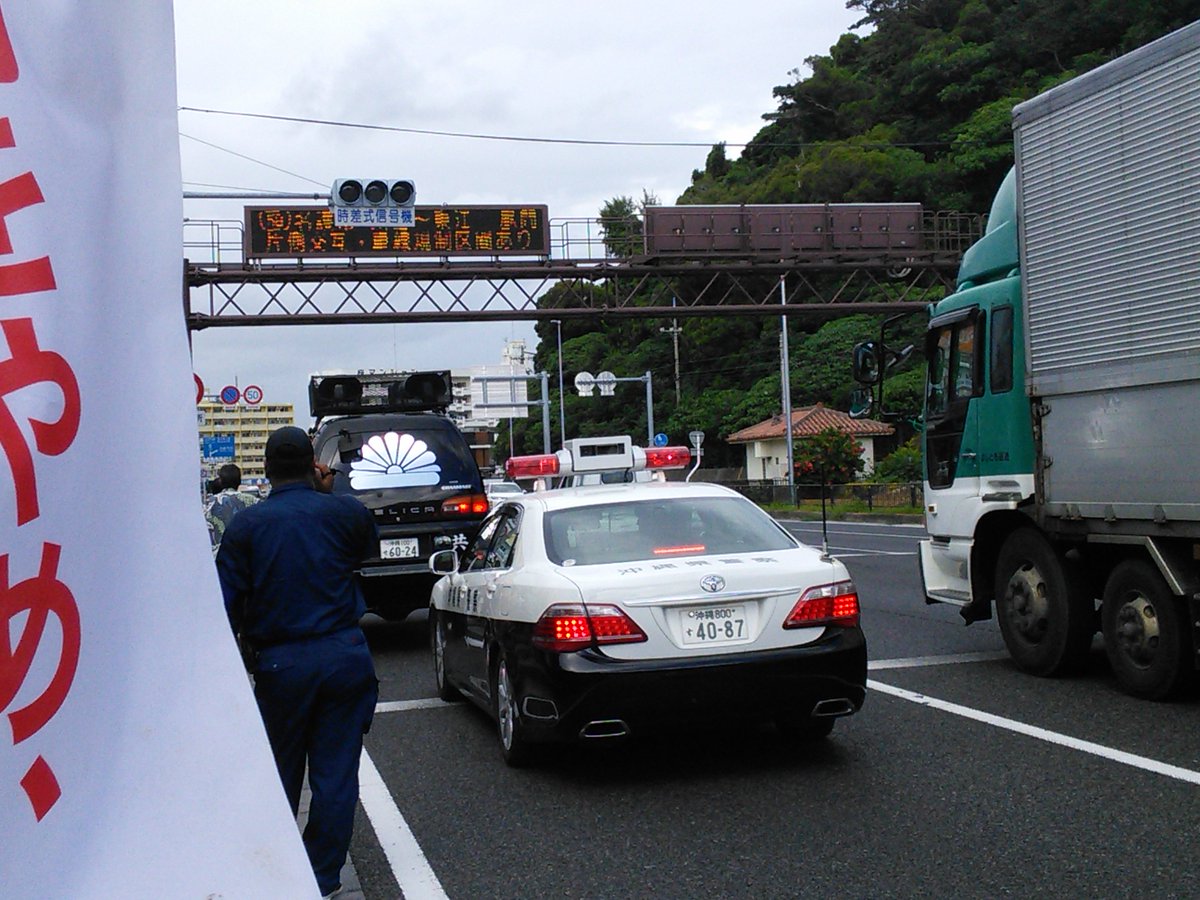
<point>660,529</point>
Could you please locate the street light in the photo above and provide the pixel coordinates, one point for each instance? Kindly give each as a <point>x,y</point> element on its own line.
<point>562,413</point>
<point>786,378</point>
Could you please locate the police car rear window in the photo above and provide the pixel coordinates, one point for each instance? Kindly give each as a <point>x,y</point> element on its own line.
<point>660,529</point>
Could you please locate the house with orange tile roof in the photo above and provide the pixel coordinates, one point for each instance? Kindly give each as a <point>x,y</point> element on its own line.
<point>766,441</point>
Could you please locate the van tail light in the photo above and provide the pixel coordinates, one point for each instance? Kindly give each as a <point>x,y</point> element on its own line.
<point>826,604</point>
<point>566,627</point>
<point>465,505</point>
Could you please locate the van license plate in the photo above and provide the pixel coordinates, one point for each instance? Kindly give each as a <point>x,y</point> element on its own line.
<point>398,548</point>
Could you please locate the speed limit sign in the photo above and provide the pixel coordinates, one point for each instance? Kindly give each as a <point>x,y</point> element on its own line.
<point>252,394</point>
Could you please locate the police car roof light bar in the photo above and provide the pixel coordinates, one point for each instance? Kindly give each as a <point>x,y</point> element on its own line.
<point>667,457</point>
<point>525,467</point>
<point>598,454</point>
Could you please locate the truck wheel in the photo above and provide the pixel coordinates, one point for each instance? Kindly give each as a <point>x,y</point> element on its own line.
<point>1145,631</point>
<point>1042,603</point>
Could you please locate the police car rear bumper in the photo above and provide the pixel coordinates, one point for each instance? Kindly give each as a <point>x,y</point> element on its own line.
<point>584,694</point>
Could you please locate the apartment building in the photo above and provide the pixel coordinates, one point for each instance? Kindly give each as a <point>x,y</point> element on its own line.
<point>248,425</point>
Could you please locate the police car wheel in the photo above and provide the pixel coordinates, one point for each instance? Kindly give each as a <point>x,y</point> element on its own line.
<point>516,750</point>
<point>437,640</point>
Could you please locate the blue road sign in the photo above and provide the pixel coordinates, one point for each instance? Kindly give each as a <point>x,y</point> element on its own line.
<point>660,440</point>
<point>217,446</point>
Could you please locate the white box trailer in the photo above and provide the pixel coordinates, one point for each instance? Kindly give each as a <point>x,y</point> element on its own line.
<point>1108,200</point>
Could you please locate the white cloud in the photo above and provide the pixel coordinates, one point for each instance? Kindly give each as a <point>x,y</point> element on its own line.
<point>634,71</point>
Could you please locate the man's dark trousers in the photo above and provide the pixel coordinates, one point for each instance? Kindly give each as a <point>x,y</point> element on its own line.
<point>317,698</point>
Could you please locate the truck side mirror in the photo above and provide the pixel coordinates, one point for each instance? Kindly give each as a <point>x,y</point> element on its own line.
<point>865,363</point>
<point>861,403</point>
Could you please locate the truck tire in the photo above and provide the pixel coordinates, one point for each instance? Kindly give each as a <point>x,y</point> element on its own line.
<point>1145,632</point>
<point>1046,616</point>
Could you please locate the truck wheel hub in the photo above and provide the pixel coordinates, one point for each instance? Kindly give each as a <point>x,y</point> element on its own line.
<point>1137,630</point>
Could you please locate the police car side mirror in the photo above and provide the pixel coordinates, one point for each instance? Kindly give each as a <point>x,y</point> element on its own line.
<point>444,562</point>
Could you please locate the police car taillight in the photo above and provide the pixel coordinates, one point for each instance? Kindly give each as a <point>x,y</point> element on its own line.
<point>667,457</point>
<point>566,627</point>
<point>826,604</point>
<point>466,505</point>
<point>531,466</point>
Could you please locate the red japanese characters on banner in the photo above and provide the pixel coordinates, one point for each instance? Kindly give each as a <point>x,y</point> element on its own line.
<point>32,600</point>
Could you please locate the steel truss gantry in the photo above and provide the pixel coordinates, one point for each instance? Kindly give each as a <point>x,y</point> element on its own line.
<point>823,285</point>
<point>474,292</point>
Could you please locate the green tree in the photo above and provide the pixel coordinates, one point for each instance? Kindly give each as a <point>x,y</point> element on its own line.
<point>901,465</point>
<point>830,457</point>
<point>621,221</point>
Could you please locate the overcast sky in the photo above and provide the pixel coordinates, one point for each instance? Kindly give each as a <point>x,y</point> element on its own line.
<point>664,70</point>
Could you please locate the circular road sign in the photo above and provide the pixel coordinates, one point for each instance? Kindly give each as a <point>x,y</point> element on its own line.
<point>660,440</point>
<point>252,394</point>
<point>199,388</point>
<point>230,394</point>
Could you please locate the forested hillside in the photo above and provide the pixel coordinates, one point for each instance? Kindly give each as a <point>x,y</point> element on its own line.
<point>913,105</point>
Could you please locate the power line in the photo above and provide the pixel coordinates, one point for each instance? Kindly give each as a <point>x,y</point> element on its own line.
<point>251,159</point>
<point>457,134</point>
<point>799,145</point>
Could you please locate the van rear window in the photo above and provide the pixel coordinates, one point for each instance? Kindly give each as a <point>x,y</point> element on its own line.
<point>404,458</point>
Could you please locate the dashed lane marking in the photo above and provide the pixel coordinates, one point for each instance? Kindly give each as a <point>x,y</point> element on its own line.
<point>916,662</point>
<point>1042,734</point>
<point>406,705</point>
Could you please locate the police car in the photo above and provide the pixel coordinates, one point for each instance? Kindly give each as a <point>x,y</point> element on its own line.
<point>592,613</point>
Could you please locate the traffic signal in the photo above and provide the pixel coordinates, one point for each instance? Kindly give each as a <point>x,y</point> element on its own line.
<point>373,192</point>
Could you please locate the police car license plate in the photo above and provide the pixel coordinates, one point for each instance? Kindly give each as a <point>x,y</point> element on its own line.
<point>398,548</point>
<point>711,625</point>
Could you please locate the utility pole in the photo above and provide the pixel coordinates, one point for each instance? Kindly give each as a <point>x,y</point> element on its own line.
<point>674,331</point>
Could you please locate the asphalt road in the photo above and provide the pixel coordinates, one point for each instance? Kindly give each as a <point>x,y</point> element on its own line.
<point>960,777</point>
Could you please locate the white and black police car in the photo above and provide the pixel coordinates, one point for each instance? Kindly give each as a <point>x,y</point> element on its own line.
<point>592,613</point>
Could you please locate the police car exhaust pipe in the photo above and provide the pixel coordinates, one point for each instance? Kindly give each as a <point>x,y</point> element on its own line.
<point>840,707</point>
<point>604,728</point>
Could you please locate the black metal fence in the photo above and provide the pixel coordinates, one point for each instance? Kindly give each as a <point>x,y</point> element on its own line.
<point>876,496</point>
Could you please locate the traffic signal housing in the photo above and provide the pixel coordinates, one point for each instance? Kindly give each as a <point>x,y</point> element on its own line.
<point>373,192</point>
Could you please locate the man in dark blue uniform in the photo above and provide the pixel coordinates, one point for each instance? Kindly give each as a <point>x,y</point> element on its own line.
<point>287,573</point>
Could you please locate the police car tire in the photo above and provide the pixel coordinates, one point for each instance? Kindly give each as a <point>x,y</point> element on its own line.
<point>517,751</point>
<point>437,643</point>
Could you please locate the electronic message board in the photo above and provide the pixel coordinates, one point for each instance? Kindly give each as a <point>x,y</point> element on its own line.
<point>308,231</point>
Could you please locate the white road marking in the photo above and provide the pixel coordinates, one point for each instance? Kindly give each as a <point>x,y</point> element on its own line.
<point>847,552</point>
<point>406,705</point>
<point>914,662</point>
<point>409,865</point>
<point>1042,734</point>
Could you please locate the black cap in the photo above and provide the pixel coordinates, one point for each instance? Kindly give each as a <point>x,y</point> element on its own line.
<point>289,442</point>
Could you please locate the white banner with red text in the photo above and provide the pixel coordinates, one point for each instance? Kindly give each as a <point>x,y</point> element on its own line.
<point>133,762</point>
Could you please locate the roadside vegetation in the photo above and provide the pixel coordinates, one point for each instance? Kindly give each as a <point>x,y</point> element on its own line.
<point>913,105</point>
